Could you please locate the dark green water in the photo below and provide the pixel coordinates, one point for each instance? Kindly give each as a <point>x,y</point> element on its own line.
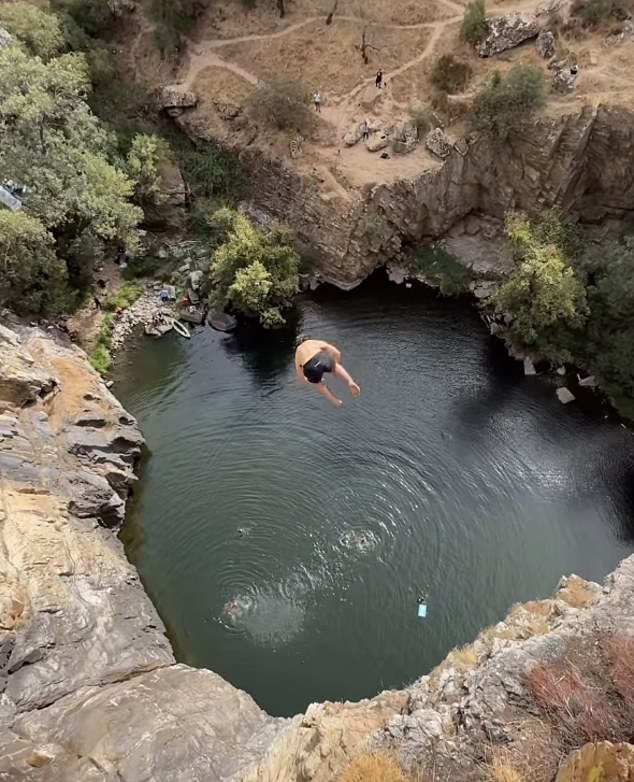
<point>452,473</point>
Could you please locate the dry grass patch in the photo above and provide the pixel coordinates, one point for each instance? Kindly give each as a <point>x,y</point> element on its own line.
<point>373,767</point>
<point>501,769</point>
<point>620,652</point>
<point>577,594</point>
<point>463,657</point>
<point>576,704</point>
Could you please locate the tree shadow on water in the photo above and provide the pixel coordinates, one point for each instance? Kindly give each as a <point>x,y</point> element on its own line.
<point>622,481</point>
<point>266,353</point>
<point>504,375</point>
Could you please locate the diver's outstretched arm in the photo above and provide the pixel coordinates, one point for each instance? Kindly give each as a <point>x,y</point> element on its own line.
<point>344,375</point>
<point>325,391</point>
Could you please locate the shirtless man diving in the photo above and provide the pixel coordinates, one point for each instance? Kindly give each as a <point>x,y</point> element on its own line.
<point>313,358</point>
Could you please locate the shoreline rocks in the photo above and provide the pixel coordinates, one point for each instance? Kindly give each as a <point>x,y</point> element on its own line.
<point>138,314</point>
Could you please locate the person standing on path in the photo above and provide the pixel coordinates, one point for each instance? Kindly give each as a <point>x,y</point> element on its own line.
<point>365,130</point>
<point>379,79</point>
<point>313,358</point>
<point>317,101</point>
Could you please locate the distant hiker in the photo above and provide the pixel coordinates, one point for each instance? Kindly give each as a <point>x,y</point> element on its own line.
<point>317,102</point>
<point>97,302</point>
<point>379,79</point>
<point>365,130</point>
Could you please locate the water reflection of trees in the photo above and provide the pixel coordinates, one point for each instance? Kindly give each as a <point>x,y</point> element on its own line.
<point>265,353</point>
<point>504,375</point>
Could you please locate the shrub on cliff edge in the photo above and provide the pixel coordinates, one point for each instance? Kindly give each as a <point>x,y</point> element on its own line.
<point>474,25</point>
<point>504,108</point>
<point>283,105</point>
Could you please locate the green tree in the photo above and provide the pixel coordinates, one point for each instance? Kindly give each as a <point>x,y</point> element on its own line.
<point>54,145</point>
<point>253,271</point>
<point>174,20</point>
<point>474,25</point>
<point>32,278</point>
<point>543,294</point>
<point>39,31</point>
<point>91,18</point>
<point>143,164</point>
<point>608,348</point>
<point>507,106</point>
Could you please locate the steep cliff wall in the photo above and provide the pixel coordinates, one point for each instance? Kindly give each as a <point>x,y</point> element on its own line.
<point>580,163</point>
<point>90,690</point>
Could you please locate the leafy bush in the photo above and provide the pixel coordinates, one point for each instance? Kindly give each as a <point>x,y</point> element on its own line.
<point>450,74</point>
<point>128,294</point>
<point>254,272</point>
<point>144,158</point>
<point>543,294</point>
<point>440,270</point>
<point>40,32</point>
<point>174,20</point>
<point>474,25</point>
<point>504,108</point>
<point>100,358</point>
<point>283,105</point>
<point>93,17</point>
<point>32,278</point>
<point>209,170</point>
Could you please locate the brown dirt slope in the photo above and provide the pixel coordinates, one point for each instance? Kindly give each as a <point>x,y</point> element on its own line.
<point>232,50</point>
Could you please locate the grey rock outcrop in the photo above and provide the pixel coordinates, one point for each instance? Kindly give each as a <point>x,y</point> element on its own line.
<point>90,688</point>
<point>506,32</point>
<point>437,142</point>
<point>577,163</point>
<point>564,81</point>
<point>174,99</point>
<point>377,141</point>
<point>354,134</point>
<point>221,321</point>
<point>405,137</point>
<point>545,44</point>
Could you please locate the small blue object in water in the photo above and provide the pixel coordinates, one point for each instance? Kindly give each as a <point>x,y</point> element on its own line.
<point>422,608</point>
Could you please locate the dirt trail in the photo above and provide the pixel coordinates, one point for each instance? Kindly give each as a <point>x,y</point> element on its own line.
<point>200,60</point>
<point>341,169</point>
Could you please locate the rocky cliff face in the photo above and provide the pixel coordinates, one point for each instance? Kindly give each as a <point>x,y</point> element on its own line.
<point>578,163</point>
<point>90,690</point>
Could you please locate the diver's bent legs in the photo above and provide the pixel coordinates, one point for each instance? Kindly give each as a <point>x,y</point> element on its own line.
<point>344,375</point>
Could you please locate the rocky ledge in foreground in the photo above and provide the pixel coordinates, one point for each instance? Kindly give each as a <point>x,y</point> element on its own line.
<point>90,688</point>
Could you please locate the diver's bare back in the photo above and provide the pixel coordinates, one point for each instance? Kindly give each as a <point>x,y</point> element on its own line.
<point>306,350</point>
<point>315,357</point>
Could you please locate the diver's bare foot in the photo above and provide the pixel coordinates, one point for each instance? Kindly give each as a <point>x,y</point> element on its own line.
<point>354,389</point>
<point>337,402</point>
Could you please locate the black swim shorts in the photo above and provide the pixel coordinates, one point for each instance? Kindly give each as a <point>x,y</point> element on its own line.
<point>314,368</point>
